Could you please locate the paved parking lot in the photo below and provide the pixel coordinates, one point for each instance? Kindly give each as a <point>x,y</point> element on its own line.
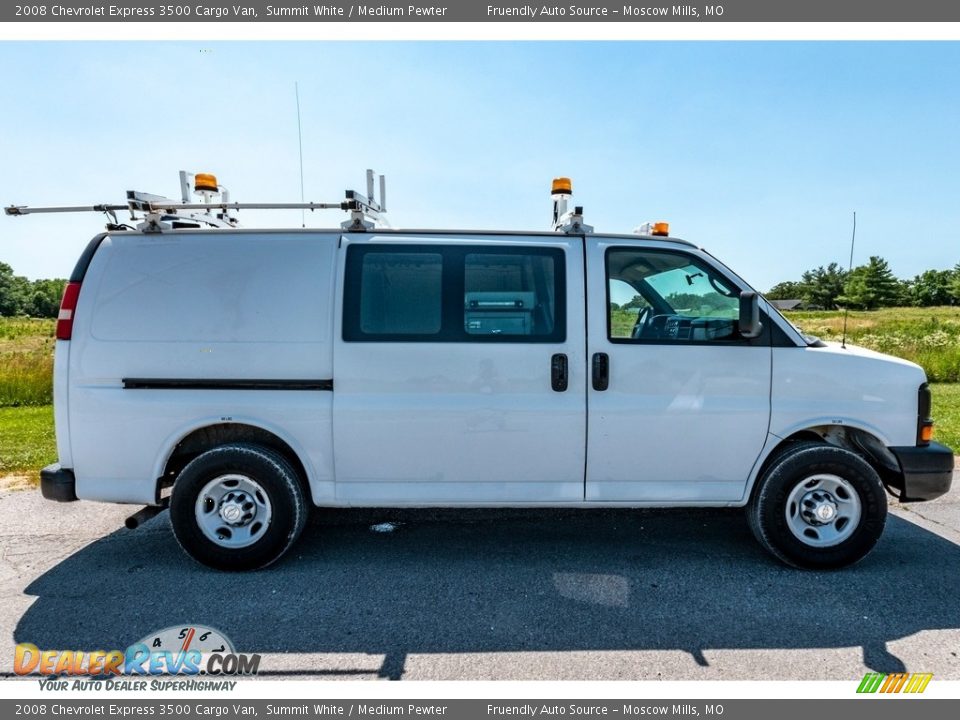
<point>591,595</point>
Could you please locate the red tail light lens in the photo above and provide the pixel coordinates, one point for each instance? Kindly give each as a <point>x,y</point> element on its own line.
<point>67,307</point>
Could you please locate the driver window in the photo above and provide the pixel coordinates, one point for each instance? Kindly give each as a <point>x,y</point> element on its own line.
<point>659,295</point>
<point>625,306</point>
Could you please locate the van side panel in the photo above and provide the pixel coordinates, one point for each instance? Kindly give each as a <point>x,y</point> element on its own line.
<point>221,306</point>
<point>857,388</point>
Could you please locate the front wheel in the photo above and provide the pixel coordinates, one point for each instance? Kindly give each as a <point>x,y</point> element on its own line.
<point>818,507</point>
<point>237,507</point>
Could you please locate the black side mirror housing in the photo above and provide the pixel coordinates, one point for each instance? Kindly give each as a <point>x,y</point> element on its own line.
<point>749,324</point>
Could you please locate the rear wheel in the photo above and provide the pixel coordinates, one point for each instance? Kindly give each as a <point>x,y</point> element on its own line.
<point>818,506</point>
<point>237,507</point>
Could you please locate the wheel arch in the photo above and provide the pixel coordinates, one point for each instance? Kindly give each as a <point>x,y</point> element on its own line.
<point>190,443</point>
<point>855,438</point>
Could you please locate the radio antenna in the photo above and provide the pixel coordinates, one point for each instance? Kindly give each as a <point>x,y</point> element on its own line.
<point>846,305</point>
<point>303,216</point>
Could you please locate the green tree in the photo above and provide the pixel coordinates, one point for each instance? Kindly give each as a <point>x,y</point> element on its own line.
<point>955,284</point>
<point>872,286</point>
<point>44,298</point>
<point>19,296</point>
<point>698,304</point>
<point>635,304</point>
<point>822,287</point>
<point>14,292</point>
<point>932,287</point>
<point>787,290</point>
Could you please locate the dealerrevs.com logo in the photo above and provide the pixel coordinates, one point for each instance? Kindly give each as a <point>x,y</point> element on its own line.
<point>180,650</point>
<point>894,682</point>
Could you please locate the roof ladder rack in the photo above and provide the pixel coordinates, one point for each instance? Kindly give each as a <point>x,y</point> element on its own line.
<point>157,213</point>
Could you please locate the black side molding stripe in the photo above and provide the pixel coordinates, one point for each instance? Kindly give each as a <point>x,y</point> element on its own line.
<point>220,384</point>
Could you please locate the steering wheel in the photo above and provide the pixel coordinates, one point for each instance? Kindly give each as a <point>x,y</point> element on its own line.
<point>643,321</point>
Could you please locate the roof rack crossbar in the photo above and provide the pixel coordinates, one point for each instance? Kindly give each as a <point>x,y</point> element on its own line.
<point>364,211</point>
<point>26,210</point>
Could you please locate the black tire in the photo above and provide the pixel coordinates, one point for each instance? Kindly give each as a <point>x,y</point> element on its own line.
<point>281,494</point>
<point>780,484</point>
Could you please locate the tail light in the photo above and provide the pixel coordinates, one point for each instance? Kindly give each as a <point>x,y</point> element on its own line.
<point>67,308</point>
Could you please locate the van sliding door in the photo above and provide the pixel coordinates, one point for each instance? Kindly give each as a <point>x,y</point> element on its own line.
<point>459,370</point>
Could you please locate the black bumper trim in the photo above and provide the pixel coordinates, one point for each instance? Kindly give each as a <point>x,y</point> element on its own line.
<point>927,471</point>
<point>57,483</point>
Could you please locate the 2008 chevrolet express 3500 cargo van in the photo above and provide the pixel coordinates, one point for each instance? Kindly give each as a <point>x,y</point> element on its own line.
<point>240,374</point>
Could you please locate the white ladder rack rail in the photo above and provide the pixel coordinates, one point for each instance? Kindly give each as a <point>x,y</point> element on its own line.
<point>364,211</point>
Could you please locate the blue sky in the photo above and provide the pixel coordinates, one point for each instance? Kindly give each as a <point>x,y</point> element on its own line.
<point>757,151</point>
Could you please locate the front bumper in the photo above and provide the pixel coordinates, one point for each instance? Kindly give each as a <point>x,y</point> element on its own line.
<point>927,471</point>
<point>57,483</point>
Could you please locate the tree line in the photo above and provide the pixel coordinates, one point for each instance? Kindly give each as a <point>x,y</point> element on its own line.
<point>35,298</point>
<point>868,287</point>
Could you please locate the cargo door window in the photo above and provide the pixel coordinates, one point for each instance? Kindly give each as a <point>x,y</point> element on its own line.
<point>400,293</point>
<point>509,295</point>
<point>454,293</point>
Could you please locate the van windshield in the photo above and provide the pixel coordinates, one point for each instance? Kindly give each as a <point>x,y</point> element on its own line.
<point>688,291</point>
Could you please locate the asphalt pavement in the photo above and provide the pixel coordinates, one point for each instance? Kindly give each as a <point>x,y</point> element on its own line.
<point>496,594</point>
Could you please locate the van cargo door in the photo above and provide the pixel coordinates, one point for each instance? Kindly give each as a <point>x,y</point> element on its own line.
<point>459,370</point>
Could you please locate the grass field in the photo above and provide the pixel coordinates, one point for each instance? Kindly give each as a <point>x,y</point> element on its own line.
<point>26,393</point>
<point>927,336</point>
<point>946,413</point>
<point>26,439</point>
<point>26,361</point>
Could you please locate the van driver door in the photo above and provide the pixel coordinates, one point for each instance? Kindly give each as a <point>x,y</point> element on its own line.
<point>679,402</point>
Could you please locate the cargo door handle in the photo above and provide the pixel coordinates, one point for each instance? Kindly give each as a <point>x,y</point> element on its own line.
<point>601,371</point>
<point>559,376</point>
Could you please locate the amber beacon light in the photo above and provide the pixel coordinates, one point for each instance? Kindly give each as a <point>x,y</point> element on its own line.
<point>205,182</point>
<point>561,186</point>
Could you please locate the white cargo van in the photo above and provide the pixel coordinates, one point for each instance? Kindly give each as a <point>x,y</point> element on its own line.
<point>238,376</point>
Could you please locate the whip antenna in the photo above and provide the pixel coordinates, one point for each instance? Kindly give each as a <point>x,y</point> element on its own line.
<point>846,305</point>
<point>303,217</point>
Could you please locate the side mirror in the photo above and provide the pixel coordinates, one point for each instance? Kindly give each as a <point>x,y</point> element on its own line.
<point>749,324</point>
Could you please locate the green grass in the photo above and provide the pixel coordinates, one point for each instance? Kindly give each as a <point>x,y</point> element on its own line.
<point>26,362</point>
<point>18,328</point>
<point>946,414</point>
<point>27,441</point>
<point>25,378</point>
<point>929,337</point>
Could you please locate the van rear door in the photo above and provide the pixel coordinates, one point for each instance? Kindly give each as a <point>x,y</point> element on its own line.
<point>459,370</point>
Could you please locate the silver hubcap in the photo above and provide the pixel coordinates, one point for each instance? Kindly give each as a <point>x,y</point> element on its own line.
<point>233,511</point>
<point>823,510</point>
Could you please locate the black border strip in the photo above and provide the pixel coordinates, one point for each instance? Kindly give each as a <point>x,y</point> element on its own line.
<point>80,269</point>
<point>221,384</point>
<point>453,258</point>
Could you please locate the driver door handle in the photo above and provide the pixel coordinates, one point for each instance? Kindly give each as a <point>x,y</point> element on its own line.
<point>601,371</point>
<point>559,374</point>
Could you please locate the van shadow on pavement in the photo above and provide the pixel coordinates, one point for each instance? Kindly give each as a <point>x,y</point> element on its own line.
<point>503,581</point>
